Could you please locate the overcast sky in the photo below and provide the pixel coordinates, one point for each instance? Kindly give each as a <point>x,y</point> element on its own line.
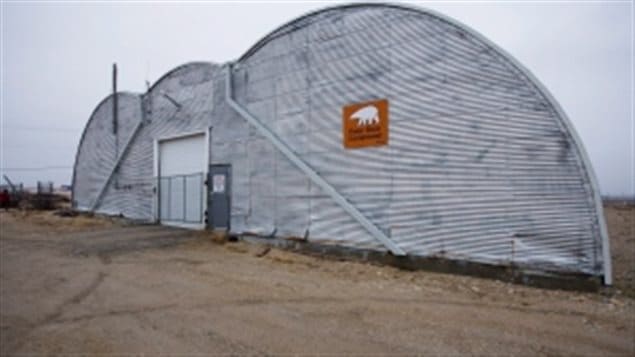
<point>57,58</point>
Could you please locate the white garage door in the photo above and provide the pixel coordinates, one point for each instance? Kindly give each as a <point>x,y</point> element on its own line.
<point>182,164</point>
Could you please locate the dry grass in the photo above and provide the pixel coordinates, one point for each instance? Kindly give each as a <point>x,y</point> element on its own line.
<point>211,236</point>
<point>48,220</point>
<point>620,220</point>
<point>78,296</point>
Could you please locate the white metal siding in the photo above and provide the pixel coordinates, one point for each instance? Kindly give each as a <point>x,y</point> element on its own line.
<point>100,146</point>
<point>182,156</point>
<point>134,194</point>
<point>481,163</point>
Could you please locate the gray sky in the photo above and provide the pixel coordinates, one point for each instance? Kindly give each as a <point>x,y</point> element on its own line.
<point>57,58</point>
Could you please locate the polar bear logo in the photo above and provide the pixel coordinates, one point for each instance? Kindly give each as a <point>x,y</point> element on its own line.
<point>366,115</point>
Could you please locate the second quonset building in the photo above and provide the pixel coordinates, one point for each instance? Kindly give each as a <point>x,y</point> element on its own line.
<point>376,126</point>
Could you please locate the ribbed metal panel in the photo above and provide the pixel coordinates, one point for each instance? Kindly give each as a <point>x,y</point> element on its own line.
<point>480,165</point>
<point>100,146</point>
<point>133,189</point>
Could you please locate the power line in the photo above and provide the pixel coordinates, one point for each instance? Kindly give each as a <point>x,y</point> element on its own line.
<point>48,129</point>
<point>22,147</point>
<point>43,168</point>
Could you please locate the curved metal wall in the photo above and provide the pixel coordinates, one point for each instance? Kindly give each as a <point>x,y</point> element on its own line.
<point>479,164</point>
<point>132,190</point>
<point>191,86</point>
<point>100,146</point>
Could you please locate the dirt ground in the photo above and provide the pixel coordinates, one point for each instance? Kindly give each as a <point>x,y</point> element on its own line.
<point>620,221</point>
<point>97,286</point>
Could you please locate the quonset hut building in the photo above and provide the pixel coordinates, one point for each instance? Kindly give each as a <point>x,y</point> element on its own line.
<point>376,126</point>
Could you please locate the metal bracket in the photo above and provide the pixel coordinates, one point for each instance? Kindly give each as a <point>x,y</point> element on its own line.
<point>304,167</point>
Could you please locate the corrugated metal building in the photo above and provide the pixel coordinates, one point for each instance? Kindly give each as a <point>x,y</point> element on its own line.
<point>373,126</point>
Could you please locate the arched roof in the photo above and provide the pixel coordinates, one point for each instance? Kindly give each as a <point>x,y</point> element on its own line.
<point>540,89</point>
<point>307,18</point>
<point>88,124</point>
<point>161,79</point>
<point>311,17</point>
<point>181,67</point>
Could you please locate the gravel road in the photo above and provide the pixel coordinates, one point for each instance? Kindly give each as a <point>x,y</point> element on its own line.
<point>95,286</point>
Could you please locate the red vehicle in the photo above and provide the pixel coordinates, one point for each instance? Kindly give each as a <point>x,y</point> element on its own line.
<point>5,199</point>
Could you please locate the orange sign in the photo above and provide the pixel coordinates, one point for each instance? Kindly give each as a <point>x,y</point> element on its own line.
<point>365,124</point>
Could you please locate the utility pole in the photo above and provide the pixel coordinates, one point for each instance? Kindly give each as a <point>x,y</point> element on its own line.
<point>115,106</point>
<point>115,116</point>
